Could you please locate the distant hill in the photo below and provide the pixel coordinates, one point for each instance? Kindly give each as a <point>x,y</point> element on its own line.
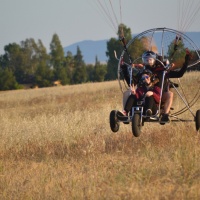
<point>90,49</point>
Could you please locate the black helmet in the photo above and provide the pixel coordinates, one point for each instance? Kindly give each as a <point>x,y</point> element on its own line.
<point>149,58</point>
<point>147,71</point>
<point>142,78</point>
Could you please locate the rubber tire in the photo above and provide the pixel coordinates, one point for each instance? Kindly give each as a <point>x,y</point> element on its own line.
<point>197,120</point>
<point>114,124</point>
<point>136,125</point>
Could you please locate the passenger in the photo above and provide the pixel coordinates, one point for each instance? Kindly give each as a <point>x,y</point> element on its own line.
<point>147,91</point>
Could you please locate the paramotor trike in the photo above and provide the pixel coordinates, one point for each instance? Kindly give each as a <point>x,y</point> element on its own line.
<point>170,44</point>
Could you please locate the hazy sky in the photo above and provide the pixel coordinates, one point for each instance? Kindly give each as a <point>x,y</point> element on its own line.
<point>77,20</point>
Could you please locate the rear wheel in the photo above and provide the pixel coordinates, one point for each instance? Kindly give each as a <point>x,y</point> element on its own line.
<point>136,124</point>
<point>114,124</point>
<point>197,120</point>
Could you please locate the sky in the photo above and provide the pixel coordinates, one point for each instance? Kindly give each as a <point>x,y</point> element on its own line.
<point>77,20</point>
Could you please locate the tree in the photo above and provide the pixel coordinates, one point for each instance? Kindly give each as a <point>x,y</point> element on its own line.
<point>99,71</point>
<point>58,59</point>
<point>23,59</point>
<point>13,60</point>
<point>29,56</point>
<point>90,72</point>
<point>43,75</point>
<point>57,52</point>
<point>42,54</point>
<point>80,75</point>
<point>114,45</point>
<point>62,74</point>
<point>136,49</point>
<point>176,56</point>
<point>70,66</point>
<point>7,80</point>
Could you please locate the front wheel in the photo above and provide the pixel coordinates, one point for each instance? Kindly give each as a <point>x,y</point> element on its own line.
<point>114,124</point>
<point>136,124</point>
<point>197,120</point>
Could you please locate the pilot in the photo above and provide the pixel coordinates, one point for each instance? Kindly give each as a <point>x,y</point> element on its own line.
<point>156,65</point>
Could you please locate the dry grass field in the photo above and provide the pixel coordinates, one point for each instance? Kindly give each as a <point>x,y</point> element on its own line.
<point>56,143</point>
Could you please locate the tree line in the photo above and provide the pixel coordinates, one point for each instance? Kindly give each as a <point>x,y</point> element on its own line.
<point>30,63</point>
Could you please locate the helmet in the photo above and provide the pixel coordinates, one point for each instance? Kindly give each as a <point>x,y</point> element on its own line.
<point>149,58</point>
<point>147,71</point>
<point>144,78</point>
